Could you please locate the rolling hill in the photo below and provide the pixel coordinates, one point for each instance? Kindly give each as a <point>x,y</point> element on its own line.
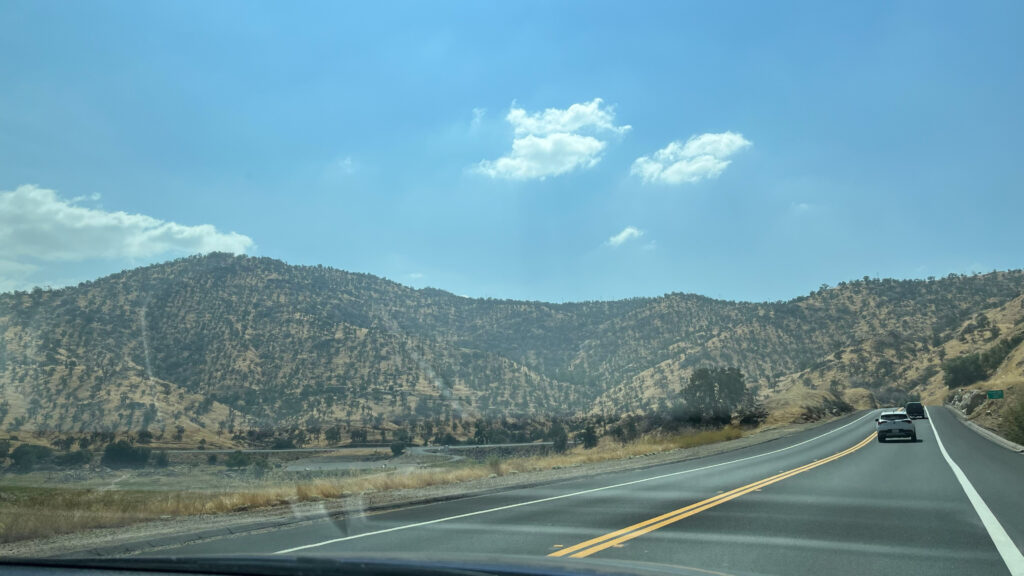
<point>214,347</point>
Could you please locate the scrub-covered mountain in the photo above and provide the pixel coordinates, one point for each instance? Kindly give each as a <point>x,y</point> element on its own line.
<point>216,346</point>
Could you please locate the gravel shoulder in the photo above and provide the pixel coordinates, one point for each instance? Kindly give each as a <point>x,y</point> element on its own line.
<point>140,538</point>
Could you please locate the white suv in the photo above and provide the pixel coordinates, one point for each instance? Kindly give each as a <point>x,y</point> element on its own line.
<point>895,424</point>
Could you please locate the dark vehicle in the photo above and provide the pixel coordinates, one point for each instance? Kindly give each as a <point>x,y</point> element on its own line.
<point>915,410</point>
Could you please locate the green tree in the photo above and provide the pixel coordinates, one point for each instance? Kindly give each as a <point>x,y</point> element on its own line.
<point>558,437</point>
<point>75,458</point>
<point>26,456</point>
<point>161,460</point>
<point>713,393</point>
<point>237,459</point>
<point>124,454</point>
<point>397,448</point>
<point>589,437</point>
<point>260,467</point>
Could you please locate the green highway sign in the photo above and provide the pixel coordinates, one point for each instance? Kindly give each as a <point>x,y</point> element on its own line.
<point>995,394</point>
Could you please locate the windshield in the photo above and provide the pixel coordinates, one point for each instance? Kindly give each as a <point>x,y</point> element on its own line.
<point>561,285</point>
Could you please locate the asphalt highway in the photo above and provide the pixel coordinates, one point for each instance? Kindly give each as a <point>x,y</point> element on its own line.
<point>831,500</point>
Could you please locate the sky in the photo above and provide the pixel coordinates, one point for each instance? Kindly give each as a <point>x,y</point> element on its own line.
<point>555,151</point>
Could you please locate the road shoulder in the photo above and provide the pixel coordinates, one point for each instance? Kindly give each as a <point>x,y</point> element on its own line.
<point>985,432</point>
<point>142,537</point>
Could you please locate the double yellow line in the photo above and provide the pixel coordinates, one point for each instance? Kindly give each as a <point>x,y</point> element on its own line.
<point>584,549</point>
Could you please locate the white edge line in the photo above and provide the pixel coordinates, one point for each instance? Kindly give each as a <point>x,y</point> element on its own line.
<point>561,496</point>
<point>1011,555</point>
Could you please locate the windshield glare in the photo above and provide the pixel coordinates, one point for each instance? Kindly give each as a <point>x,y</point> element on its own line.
<point>512,286</point>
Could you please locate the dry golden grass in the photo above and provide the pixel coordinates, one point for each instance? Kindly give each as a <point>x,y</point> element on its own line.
<point>27,512</point>
<point>610,450</point>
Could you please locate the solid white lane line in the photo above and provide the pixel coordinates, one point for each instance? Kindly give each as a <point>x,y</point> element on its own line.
<point>1012,556</point>
<point>561,496</point>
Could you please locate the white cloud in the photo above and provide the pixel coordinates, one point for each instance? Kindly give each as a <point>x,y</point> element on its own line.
<point>800,207</point>
<point>478,116</point>
<point>553,142</point>
<point>540,157</point>
<point>36,223</point>
<point>628,233</point>
<point>15,275</point>
<point>416,275</point>
<point>703,156</point>
<point>347,165</point>
<point>575,118</point>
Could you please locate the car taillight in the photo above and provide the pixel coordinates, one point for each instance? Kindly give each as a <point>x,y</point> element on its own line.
<point>909,421</point>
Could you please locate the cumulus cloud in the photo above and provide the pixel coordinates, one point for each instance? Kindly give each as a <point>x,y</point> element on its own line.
<point>36,223</point>
<point>628,233</point>
<point>554,142</point>
<point>701,157</point>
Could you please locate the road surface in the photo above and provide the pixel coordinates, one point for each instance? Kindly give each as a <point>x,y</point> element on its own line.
<point>831,500</point>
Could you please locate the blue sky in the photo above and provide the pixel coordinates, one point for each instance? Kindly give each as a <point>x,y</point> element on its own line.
<point>538,150</point>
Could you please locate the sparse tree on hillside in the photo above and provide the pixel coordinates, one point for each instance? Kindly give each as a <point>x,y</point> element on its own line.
<point>713,393</point>
<point>589,437</point>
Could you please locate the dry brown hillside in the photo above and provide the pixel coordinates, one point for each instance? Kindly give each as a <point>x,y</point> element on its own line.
<point>237,350</point>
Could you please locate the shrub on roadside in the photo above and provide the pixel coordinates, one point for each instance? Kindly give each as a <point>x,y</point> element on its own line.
<point>26,456</point>
<point>161,460</point>
<point>123,453</point>
<point>75,458</point>
<point>237,459</point>
<point>1013,421</point>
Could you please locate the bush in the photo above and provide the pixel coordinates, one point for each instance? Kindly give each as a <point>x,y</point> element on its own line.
<point>681,414</point>
<point>5,448</point>
<point>966,370</point>
<point>123,454</point>
<point>76,458</point>
<point>211,459</point>
<point>1013,421</point>
<point>397,448</point>
<point>283,444</point>
<point>161,460</point>
<point>963,371</point>
<point>237,459</point>
<point>558,437</point>
<point>446,439</point>
<point>589,438</point>
<point>260,467</point>
<point>496,466</point>
<point>753,415</point>
<point>26,456</point>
